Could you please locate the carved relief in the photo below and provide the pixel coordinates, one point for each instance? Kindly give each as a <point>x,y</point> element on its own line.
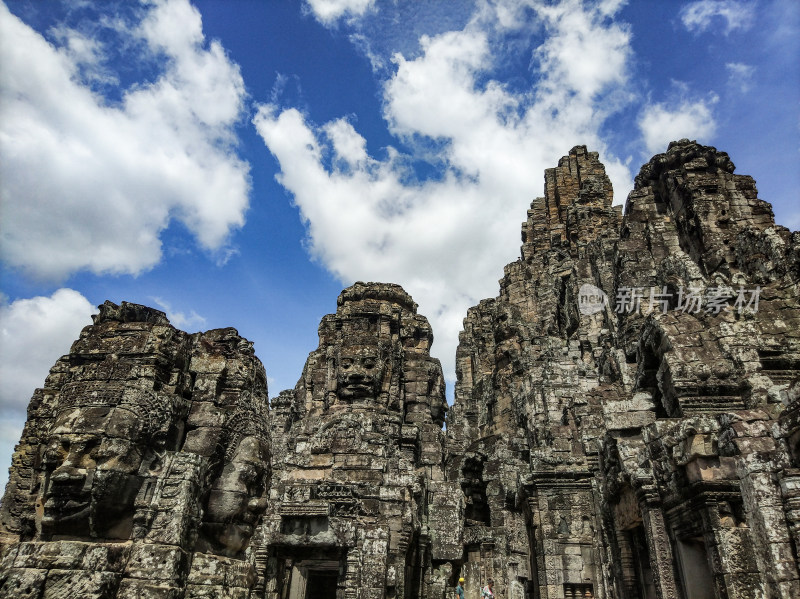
<point>589,452</point>
<point>237,496</point>
<point>99,450</point>
<point>359,372</point>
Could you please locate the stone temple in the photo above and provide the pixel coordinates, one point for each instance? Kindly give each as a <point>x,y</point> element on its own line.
<point>626,425</point>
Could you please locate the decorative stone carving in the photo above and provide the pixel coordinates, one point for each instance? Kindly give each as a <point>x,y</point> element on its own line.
<point>96,447</point>
<point>626,424</point>
<point>359,372</point>
<point>597,376</point>
<point>151,464</point>
<point>237,497</point>
<point>365,447</point>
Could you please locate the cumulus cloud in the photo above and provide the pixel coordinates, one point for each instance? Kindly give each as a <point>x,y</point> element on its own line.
<point>447,239</point>
<point>178,319</point>
<point>91,184</point>
<point>701,15</point>
<point>328,12</point>
<point>661,123</point>
<point>10,433</point>
<point>34,333</point>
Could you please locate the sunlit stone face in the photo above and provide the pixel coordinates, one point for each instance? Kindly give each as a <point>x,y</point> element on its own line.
<point>91,463</point>
<point>359,373</point>
<point>236,500</point>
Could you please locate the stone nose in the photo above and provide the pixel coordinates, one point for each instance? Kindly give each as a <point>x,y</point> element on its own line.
<point>67,473</point>
<point>257,504</point>
<point>70,470</point>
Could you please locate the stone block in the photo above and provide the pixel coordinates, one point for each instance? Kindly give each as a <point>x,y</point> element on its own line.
<point>67,555</point>
<point>157,562</point>
<point>194,591</point>
<point>22,583</point>
<point>142,589</point>
<point>77,584</point>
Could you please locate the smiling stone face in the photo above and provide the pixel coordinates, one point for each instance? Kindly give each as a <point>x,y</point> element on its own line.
<point>91,464</point>
<point>360,370</point>
<point>236,499</point>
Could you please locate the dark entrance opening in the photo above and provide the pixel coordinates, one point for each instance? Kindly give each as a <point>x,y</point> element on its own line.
<point>321,584</point>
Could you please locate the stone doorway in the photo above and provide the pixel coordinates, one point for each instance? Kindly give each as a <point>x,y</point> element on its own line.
<point>314,579</point>
<point>321,584</point>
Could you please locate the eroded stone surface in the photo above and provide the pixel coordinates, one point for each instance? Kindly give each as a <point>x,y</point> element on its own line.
<point>620,444</point>
<point>358,455</point>
<point>626,424</point>
<point>121,483</point>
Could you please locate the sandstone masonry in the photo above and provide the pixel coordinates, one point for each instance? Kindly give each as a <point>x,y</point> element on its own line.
<point>626,425</point>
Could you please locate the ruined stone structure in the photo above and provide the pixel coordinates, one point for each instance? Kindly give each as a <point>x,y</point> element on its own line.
<point>626,425</point>
<point>626,415</point>
<point>142,470</point>
<point>358,456</point>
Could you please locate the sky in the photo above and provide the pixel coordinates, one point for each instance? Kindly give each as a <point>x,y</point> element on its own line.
<point>238,163</point>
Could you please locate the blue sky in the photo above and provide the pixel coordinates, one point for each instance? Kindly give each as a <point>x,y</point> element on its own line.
<point>238,163</point>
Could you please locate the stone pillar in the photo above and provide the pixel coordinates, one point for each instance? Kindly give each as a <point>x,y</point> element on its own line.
<point>626,566</point>
<point>352,576</point>
<point>768,524</point>
<point>424,547</point>
<point>661,557</point>
<point>790,490</point>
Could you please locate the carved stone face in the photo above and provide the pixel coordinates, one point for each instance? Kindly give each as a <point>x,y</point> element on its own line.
<point>359,373</point>
<point>237,498</point>
<point>91,464</point>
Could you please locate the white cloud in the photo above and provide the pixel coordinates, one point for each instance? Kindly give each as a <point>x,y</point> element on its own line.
<point>582,54</point>
<point>85,53</point>
<point>10,433</point>
<point>328,12</point>
<point>662,123</point>
<point>180,320</point>
<point>87,184</point>
<point>34,333</point>
<point>700,16</point>
<point>740,75</point>
<point>446,240</point>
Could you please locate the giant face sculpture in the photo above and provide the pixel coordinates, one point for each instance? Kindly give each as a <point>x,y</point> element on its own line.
<point>359,373</point>
<point>237,496</point>
<point>91,471</point>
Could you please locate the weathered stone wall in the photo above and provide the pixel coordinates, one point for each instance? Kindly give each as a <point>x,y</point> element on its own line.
<point>626,424</point>
<point>128,480</point>
<point>629,397</point>
<point>529,397</point>
<point>358,454</point>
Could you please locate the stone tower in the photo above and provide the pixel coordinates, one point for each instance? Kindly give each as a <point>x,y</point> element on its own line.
<point>626,425</point>
<point>625,422</point>
<point>358,453</point>
<point>143,466</point>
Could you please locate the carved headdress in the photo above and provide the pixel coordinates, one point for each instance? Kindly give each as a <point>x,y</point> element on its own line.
<point>155,412</point>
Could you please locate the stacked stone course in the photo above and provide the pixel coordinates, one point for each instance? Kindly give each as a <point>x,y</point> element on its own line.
<point>652,451</point>
<point>611,437</point>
